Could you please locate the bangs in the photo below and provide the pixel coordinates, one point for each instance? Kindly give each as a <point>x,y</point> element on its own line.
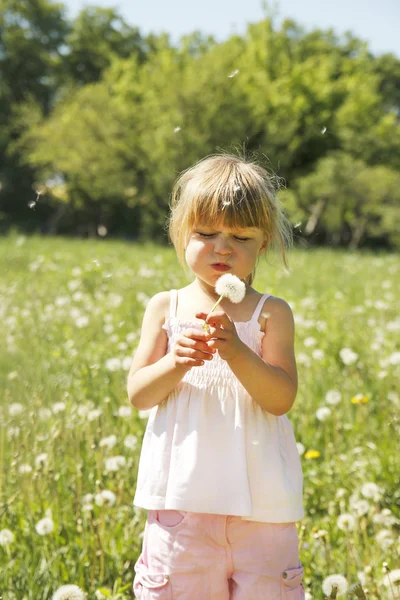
<point>237,210</point>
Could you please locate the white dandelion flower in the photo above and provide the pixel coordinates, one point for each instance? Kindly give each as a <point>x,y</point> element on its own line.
<point>69,592</point>
<point>300,448</point>
<point>82,321</point>
<point>45,526</point>
<point>394,358</point>
<point>360,507</point>
<point>44,414</point>
<point>392,581</point>
<point>113,364</point>
<point>94,414</point>
<point>15,409</point>
<point>106,498</point>
<point>371,490</point>
<point>346,522</point>
<point>318,354</point>
<point>59,407</point>
<point>384,539</point>
<point>130,442</point>
<point>124,411</point>
<point>41,460</point>
<point>13,431</point>
<point>323,413</point>
<point>6,537</point>
<point>362,578</point>
<point>114,463</point>
<point>87,502</point>
<point>108,442</point>
<point>339,581</point>
<point>333,397</point>
<point>24,468</point>
<point>231,287</point>
<point>348,356</point>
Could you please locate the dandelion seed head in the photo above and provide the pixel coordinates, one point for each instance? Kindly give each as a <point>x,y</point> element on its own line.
<point>339,581</point>
<point>323,413</point>
<point>231,287</point>
<point>45,526</point>
<point>6,537</point>
<point>371,490</point>
<point>105,498</point>
<point>346,522</point>
<point>69,592</point>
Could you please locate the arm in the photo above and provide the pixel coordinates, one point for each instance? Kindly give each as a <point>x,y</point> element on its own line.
<point>271,380</point>
<point>153,373</point>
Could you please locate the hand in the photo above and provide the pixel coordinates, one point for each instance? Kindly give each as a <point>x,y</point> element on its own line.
<point>191,349</point>
<point>223,334</point>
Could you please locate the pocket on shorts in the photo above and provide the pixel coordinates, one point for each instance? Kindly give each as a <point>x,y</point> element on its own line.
<point>170,520</point>
<point>292,583</point>
<point>149,585</point>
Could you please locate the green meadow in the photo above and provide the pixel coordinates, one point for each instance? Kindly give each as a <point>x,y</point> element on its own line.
<point>71,313</point>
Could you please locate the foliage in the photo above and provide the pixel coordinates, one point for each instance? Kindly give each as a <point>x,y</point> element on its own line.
<point>121,115</point>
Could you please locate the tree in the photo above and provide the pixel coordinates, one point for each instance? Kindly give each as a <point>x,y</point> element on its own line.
<point>96,37</point>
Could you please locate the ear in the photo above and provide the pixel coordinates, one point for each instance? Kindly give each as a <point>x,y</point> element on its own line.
<point>262,248</point>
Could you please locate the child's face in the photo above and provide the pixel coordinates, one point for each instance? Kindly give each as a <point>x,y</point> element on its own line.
<point>214,250</point>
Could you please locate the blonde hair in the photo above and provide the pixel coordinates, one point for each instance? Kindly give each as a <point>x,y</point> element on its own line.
<point>228,188</point>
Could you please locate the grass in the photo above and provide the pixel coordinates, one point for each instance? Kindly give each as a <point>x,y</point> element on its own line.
<point>71,313</point>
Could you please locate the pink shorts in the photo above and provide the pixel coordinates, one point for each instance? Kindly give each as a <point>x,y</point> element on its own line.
<point>198,556</point>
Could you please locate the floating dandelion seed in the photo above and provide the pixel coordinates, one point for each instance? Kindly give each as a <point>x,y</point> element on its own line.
<point>234,73</point>
<point>177,129</point>
<point>323,130</point>
<point>228,286</point>
<point>33,203</point>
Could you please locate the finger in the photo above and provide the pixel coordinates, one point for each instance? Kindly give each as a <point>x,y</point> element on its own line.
<point>217,333</point>
<point>187,342</point>
<point>195,334</point>
<point>193,353</point>
<point>219,318</point>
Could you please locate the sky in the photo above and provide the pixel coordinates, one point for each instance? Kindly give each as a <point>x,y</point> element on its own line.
<point>374,21</point>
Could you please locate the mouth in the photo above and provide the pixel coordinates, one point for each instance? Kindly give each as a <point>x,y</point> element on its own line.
<point>220,267</point>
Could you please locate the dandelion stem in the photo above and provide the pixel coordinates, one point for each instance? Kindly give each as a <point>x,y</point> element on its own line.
<point>205,324</point>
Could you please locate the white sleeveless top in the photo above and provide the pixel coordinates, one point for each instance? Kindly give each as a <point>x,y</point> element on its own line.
<point>209,448</point>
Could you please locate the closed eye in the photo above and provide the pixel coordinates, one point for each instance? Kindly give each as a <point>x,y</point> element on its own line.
<point>240,239</point>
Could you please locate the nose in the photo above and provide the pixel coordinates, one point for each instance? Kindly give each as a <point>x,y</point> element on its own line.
<point>222,246</point>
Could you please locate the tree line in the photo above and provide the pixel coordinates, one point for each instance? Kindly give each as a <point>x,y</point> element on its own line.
<point>97,120</point>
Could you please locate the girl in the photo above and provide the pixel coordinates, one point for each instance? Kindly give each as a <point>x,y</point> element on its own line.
<point>219,471</point>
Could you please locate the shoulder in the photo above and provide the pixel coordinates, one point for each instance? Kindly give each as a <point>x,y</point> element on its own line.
<point>277,311</point>
<point>158,306</point>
